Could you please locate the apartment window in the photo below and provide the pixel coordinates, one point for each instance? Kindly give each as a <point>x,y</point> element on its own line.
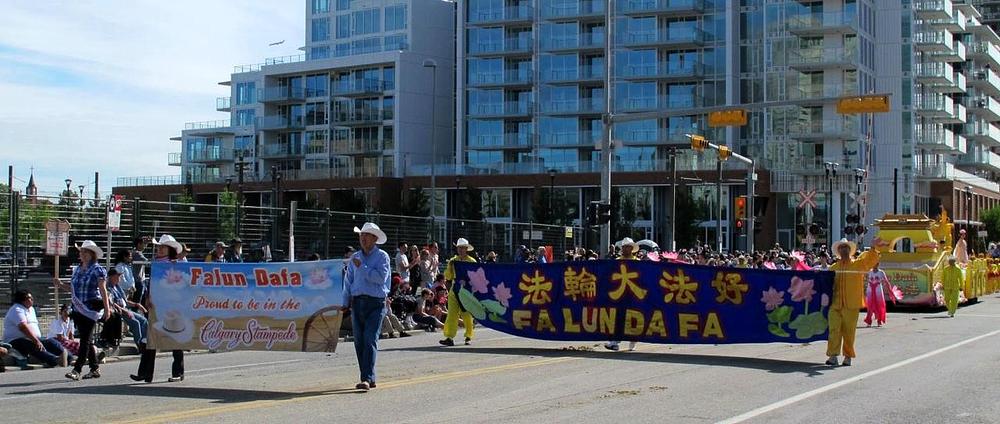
<point>322,52</point>
<point>320,6</point>
<point>243,117</point>
<point>246,93</point>
<point>315,142</point>
<point>389,78</point>
<point>343,4</point>
<point>316,85</point>
<point>395,42</point>
<point>343,26</point>
<point>366,45</point>
<point>496,203</point>
<point>395,17</point>
<point>243,145</point>
<point>343,49</point>
<point>388,107</point>
<point>316,114</point>
<point>320,29</point>
<point>366,21</point>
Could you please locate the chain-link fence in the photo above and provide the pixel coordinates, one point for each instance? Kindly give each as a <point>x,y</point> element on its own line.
<point>24,265</point>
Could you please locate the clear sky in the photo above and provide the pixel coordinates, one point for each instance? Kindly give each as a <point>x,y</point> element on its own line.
<point>102,85</point>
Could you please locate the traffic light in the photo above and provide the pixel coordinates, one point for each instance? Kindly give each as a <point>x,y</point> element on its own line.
<point>852,218</point>
<point>603,213</point>
<point>739,226</point>
<point>741,208</point>
<point>724,153</point>
<point>698,143</point>
<point>758,226</point>
<point>592,217</point>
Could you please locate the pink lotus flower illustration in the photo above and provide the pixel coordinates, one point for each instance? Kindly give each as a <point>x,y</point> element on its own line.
<point>801,290</point>
<point>175,277</point>
<point>772,298</point>
<point>478,281</point>
<point>824,300</point>
<point>503,295</point>
<point>318,278</point>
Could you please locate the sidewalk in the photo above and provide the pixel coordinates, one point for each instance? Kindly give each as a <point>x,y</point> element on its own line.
<point>126,351</point>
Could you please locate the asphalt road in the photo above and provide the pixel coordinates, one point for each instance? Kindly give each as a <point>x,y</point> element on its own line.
<point>919,368</point>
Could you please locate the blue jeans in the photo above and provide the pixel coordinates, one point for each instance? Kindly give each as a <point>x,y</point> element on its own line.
<point>49,354</point>
<point>366,318</point>
<point>138,326</point>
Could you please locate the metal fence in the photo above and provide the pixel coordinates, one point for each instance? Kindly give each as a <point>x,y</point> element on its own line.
<point>23,263</point>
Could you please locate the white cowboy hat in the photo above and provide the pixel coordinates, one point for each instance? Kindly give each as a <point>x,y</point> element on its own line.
<point>169,241</point>
<point>853,246</point>
<point>91,246</point>
<point>464,243</point>
<point>370,228</point>
<point>175,326</point>
<point>627,241</point>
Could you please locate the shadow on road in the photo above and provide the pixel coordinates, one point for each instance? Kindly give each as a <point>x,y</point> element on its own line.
<point>217,395</point>
<point>775,366</point>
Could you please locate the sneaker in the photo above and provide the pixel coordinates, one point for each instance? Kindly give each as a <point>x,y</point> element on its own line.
<point>73,375</point>
<point>92,374</point>
<point>468,341</point>
<point>631,346</point>
<point>847,362</point>
<point>363,386</point>
<point>611,346</point>
<point>404,334</point>
<point>175,379</point>
<point>832,361</point>
<point>447,342</point>
<point>136,377</point>
<point>371,384</point>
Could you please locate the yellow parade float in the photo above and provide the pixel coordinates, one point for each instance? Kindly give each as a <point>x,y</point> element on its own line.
<point>915,267</point>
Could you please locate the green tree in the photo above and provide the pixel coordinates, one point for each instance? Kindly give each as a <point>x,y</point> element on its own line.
<point>415,202</point>
<point>991,219</point>
<point>227,215</point>
<point>182,202</point>
<point>69,199</point>
<point>558,211</point>
<point>624,214</point>
<point>347,201</point>
<point>470,204</point>
<point>689,214</point>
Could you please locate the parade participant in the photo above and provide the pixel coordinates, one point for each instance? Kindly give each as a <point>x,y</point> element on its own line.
<point>875,296</point>
<point>90,304</point>
<point>167,251</point>
<point>235,254</point>
<point>628,248</point>
<point>951,279</point>
<point>182,255</point>
<point>366,287</point>
<point>962,250</point>
<point>845,307</point>
<point>218,253</point>
<point>462,247</point>
<point>20,329</point>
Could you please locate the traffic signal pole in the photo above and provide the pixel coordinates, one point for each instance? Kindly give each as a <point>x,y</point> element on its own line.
<point>606,144</point>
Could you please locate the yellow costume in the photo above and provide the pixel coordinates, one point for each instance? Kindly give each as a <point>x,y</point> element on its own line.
<point>848,290</point>
<point>951,279</point>
<point>454,306</point>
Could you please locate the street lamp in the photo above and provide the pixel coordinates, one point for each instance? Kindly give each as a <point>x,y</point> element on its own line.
<point>552,187</point>
<point>968,210</point>
<point>431,63</point>
<point>81,187</point>
<point>229,183</point>
<point>68,183</point>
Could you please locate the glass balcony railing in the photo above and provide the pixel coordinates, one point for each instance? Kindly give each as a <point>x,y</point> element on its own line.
<point>933,8</point>
<point>935,171</point>
<point>357,146</point>
<point>281,150</point>
<point>664,70</point>
<point>509,45</point>
<point>933,102</point>
<point>668,36</point>
<point>502,14</point>
<point>821,91</point>
<point>987,79</point>
<point>987,50</point>
<point>362,116</point>
<point>821,128</point>
<point>985,105</point>
<point>570,139</point>
<point>151,180</point>
<point>836,56</point>
<point>660,6</point>
<point>280,122</point>
<point>509,77</point>
<point>174,159</point>
<point>282,94</point>
<point>981,158</point>
<point>581,41</point>
<point>662,102</point>
<point>823,21</point>
<point>576,9</point>
<point>984,132</point>
<point>583,72</point>
<point>941,72</point>
<point>222,104</point>
<point>935,137</point>
<point>522,108</point>
<point>621,164</point>
<point>571,106</point>
<point>209,154</point>
<point>361,87</point>
<point>208,125</point>
<point>928,37</point>
<point>501,141</point>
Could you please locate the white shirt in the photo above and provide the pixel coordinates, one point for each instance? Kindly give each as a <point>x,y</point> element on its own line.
<point>17,315</point>
<point>59,327</point>
<point>402,266</point>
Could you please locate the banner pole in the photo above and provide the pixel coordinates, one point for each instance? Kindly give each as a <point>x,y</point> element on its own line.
<point>55,271</point>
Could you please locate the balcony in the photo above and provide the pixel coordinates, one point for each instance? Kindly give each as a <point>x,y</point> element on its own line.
<point>934,73</point>
<point>815,24</point>
<point>501,142</point>
<point>933,105</point>
<point>571,139</point>
<point>582,106</point>
<point>282,95</point>
<point>639,104</point>
<point>954,24</point>
<point>510,46</point>
<point>985,106</point>
<point>933,9</point>
<point>210,154</point>
<point>981,159</point>
<point>280,123</point>
<point>935,171</point>
<point>986,80</point>
<point>360,87</point>
<point>936,138</point>
<point>822,129</point>
<point>509,78</point>
<point>957,115</point>
<point>222,104</point>
<point>817,95</point>
<point>656,137</point>
<point>674,37</point>
<point>956,85</point>
<point>593,41</point>
<point>985,51</point>
<point>583,73</point>
<point>983,132</point>
<point>669,8</point>
<point>218,127</point>
<point>820,59</point>
<point>174,159</point>
<point>146,181</point>
<point>362,117</point>
<point>957,53</point>
<point>666,71</point>
<point>281,151</point>
<point>574,10</point>
<point>927,40</point>
<point>520,109</point>
<point>505,15</point>
<point>357,146</point>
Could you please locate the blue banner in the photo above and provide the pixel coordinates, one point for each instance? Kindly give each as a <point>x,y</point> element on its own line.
<point>251,306</point>
<point>653,302</point>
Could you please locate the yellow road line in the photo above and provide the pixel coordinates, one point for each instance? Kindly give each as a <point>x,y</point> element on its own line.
<point>261,404</point>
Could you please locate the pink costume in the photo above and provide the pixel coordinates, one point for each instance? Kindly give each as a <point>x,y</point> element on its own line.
<point>875,297</point>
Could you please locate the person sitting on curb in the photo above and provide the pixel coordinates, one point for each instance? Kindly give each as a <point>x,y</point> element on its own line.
<point>21,331</point>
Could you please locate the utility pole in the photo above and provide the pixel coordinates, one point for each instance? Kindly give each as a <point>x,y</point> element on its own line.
<point>718,204</point>
<point>607,120</point>
<point>97,188</point>
<point>240,166</point>
<point>673,199</point>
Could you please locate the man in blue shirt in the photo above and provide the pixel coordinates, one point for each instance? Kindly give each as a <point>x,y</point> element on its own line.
<point>366,285</point>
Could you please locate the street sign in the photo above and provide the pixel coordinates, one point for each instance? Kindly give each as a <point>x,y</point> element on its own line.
<point>863,104</point>
<point>114,212</point>
<point>536,235</point>
<point>728,118</point>
<point>569,232</point>
<point>526,235</point>
<point>983,233</point>
<point>807,198</point>
<point>56,238</point>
